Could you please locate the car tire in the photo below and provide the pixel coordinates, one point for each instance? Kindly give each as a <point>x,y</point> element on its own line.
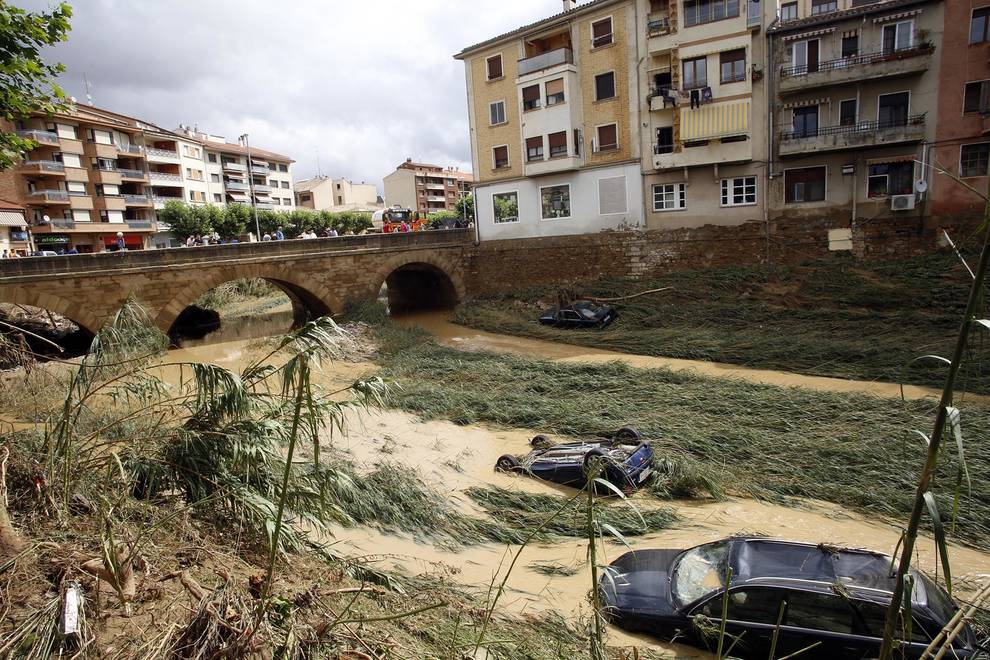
<point>540,441</point>
<point>589,458</point>
<point>507,463</point>
<point>628,435</point>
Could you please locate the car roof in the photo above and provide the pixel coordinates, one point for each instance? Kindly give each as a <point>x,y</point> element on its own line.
<point>811,567</point>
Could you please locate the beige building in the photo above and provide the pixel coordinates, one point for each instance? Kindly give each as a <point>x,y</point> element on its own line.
<point>426,188</point>
<point>326,193</point>
<point>13,230</point>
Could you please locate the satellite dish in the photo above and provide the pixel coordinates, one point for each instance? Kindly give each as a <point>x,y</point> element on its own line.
<point>46,219</point>
<point>920,185</point>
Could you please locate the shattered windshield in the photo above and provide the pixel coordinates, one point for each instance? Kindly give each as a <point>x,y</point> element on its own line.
<point>700,571</point>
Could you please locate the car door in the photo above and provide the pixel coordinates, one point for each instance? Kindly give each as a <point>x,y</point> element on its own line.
<point>751,617</point>
<point>570,318</point>
<point>820,625</point>
<point>870,618</point>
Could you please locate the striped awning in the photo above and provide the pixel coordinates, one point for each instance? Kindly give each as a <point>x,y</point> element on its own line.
<point>238,196</point>
<point>807,102</point>
<point>850,33</point>
<point>715,120</point>
<point>892,159</point>
<point>898,15</point>
<point>12,219</point>
<point>806,35</point>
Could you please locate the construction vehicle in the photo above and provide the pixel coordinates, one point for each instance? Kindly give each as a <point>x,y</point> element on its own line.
<point>394,217</point>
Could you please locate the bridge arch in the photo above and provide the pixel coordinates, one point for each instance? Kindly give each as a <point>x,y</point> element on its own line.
<point>309,299</point>
<point>75,312</point>
<point>420,281</point>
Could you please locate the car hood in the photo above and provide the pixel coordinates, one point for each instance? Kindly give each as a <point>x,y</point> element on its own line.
<point>640,581</point>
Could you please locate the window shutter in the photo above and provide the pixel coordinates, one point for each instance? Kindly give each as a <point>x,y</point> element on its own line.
<point>607,136</point>
<point>531,93</point>
<point>612,195</point>
<point>555,87</point>
<point>494,67</point>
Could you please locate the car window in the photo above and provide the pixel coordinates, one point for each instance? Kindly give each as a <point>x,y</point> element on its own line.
<point>750,605</point>
<point>874,615</point>
<point>817,611</point>
<point>700,571</point>
<point>571,316</point>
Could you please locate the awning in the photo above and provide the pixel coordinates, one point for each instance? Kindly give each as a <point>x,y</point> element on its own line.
<point>850,33</point>
<point>892,159</point>
<point>237,196</point>
<point>807,102</point>
<point>715,120</point>
<point>12,219</point>
<point>806,35</point>
<point>898,15</point>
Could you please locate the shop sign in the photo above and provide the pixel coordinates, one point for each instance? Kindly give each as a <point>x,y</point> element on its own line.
<point>51,239</point>
<point>16,235</point>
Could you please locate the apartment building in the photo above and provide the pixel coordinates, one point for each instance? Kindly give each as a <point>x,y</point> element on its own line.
<point>323,193</point>
<point>554,116</point>
<point>856,101</point>
<point>426,188</point>
<point>702,94</point>
<point>13,229</point>
<point>962,143</point>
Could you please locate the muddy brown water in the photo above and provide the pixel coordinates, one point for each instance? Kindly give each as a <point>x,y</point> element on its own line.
<point>452,458</point>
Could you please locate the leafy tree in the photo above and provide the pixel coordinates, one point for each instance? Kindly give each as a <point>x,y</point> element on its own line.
<point>442,219</point>
<point>238,215</point>
<point>182,221</point>
<point>465,207</point>
<point>229,224</point>
<point>27,83</point>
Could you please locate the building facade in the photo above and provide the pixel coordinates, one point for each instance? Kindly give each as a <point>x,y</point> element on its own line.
<point>13,230</point>
<point>426,188</point>
<point>323,193</point>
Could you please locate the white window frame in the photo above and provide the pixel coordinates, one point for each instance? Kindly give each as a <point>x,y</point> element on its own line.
<point>727,190</point>
<point>896,26</point>
<point>505,118</point>
<point>806,167</point>
<point>679,196</point>
<point>618,140</point>
<point>495,221</point>
<point>960,170</point>
<point>794,52</point>
<point>80,187</point>
<point>494,147</point>
<point>789,4</point>
<point>611,31</point>
<point>501,66</point>
<point>615,86</point>
<point>74,158</point>
<point>540,201</point>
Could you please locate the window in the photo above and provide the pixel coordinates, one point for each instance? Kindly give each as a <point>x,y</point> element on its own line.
<point>555,91</point>
<point>577,141</point>
<point>505,207</point>
<point>893,109</point>
<point>211,157</point>
<point>973,159</point>
<point>898,36</point>
<point>197,196</point>
<point>732,64</point>
<point>217,197</point>
<point>108,190</point>
<point>100,137</point>
<point>272,183</point>
<point>979,26</point>
<point>285,185</point>
<point>305,197</point>
<point>605,86</point>
<point>665,140</point>
<point>214,178</point>
<point>555,202</point>
<point>976,96</point>
<point>75,188</point>
<point>804,56</point>
<point>531,97</point>
<point>494,67</point>
<point>340,199</point>
<point>534,148</point>
<point>788,11</point>
<point>283,167</point>
<point>669,197</point>
<point>195,175</point>
<point>752,605</point>
<point>192,152</point>
<point>818,612</point>
<point>823,6</point>
<point>804,185</point>
<point>601,32</point>
<point>850,45</point>
<point>71,160</point>
<point>847,112</point>
<point>695,73</point>
<point>558,144</point>
<point>890,179</point>
<point>497,112</point>
<point>81,216</point>
<point>806,121</point>
<point>697,12</point>
<point>608,137</point>
<point>739,191</point>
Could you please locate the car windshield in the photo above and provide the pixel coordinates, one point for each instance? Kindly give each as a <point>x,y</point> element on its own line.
<point>700,571</point>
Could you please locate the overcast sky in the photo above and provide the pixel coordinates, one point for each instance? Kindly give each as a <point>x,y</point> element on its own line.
<point>366,82</point>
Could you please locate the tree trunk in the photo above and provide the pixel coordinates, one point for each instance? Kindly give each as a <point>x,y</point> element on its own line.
<point>11,543</point>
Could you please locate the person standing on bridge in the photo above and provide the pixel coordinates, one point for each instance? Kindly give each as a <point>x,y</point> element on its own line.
<point>121,245</point>
<point>279,234</point>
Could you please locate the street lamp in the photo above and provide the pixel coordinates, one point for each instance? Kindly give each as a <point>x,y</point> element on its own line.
<point>257,227</point>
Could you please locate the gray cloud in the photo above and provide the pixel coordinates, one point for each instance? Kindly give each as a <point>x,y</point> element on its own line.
<point>366,83</point>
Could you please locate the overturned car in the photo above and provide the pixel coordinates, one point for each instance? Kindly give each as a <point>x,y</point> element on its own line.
<point>627,460</point>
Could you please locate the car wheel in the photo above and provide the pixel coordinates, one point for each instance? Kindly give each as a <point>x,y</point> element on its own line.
<point>591,458</point>
<point>507,463</point>
<point>541,441</point>
<point>628,435</point>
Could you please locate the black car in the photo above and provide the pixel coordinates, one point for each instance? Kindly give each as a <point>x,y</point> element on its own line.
<point>628,460</point>
<point>583,314</point>
<point>834,599</point>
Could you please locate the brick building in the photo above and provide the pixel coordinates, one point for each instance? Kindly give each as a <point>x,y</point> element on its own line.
<point>426,188</point>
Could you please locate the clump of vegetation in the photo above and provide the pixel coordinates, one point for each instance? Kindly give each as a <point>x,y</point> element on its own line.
<point>232,220</point>
<point>841,318</point>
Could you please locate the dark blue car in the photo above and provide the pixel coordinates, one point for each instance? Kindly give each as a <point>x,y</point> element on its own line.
<point>627,460</point>
<point>830,602</point>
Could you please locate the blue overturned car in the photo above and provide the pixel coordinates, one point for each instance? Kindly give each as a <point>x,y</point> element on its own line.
<point>627,460</point>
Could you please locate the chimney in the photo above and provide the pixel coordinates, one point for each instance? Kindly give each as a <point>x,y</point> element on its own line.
<point>569,5</point>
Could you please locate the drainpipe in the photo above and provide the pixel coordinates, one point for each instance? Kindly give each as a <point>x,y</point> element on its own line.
<point>477,217</point>
<point>770,75</point>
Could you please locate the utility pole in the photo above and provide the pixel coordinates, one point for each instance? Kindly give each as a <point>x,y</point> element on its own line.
<point>250,178</point>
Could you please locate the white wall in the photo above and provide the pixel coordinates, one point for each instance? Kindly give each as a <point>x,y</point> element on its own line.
<point>585,217</point>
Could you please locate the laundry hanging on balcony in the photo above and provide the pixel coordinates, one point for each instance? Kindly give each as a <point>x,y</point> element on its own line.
<point>715,120</point>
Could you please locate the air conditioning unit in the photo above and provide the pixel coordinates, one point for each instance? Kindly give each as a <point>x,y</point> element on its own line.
<point>902,202</point>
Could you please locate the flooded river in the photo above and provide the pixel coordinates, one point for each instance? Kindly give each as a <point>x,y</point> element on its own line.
<point>451,458</point>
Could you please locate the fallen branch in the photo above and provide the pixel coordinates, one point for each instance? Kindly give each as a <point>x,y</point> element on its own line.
<point>193,587</point>
<point>122,580</point>
<point>634,295</point>
<point>354,590</point>
<point>11,543</point>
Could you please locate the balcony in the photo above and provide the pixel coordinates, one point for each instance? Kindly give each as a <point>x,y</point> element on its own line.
<point>236,185</point>
<point>234,166</point>
<point>551,165</point>
<point>137,223</point>
<point>165,179</point>
<point>63,223</point>
<point>41,137</point>
<point>658,25</point>
<point>261,189</point>
<point>43,197</point>
<point>106,175</point>
<point>867,66</point>
<point>161,155</point>
<point>853,136</point>
<point>136,200</point>
<point>264,206</point>
<point>257,170</point>
<point>434,186</point>
<point>436,198</point>
<point>130,150</point>
<point>545,60</point>
<point>43,168</point>
<point>656,99</point>
<point>110,203</point>
<point>159,201</point>
<point>754,14</point>
<point>133,175</point>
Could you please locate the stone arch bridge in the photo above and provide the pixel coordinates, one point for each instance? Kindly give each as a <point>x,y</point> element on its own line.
<point>321,276</point>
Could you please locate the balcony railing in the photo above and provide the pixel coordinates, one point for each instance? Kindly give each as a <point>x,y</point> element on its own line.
<point>136,200</point>
<point>133,223</point>
<point>260,171</point>
<point>261,188</point>
<point>663,149</point>
<point>856,60</point>
<point>754,14</point>
<point>164,153</point>
<point>44,137</point>
<point>858,127</point>
<point>657,25</point>
<point>236,185</point>
<point>545,60</point>
<point>234,165</point>
<point>50,195</point>
<point>164,176</point>
<point>132,174</point>
<point>130,149</point>
<point>264,206</point>
<point>45,165</point>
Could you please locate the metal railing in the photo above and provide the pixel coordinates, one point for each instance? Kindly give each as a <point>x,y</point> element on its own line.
<point>164,153</point>
<point>132,174</point>
<point>264,206</point>
<point>233,165</point>
<point>257,169</point>
<point>164,176</point>
<point>262,188</point>
<point>659,149</point>
<point>129,149</point>
<point>858,127</point>
<point>45,137</point>
<point>135,199</point>
<point>46,165</point>
<point>139,224</point>
<point>545,60</point>
<point>63,223</point>
<point>236,185</point>
<point>657,24</point>
<point>856,60</point>
<point>51,195</point>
